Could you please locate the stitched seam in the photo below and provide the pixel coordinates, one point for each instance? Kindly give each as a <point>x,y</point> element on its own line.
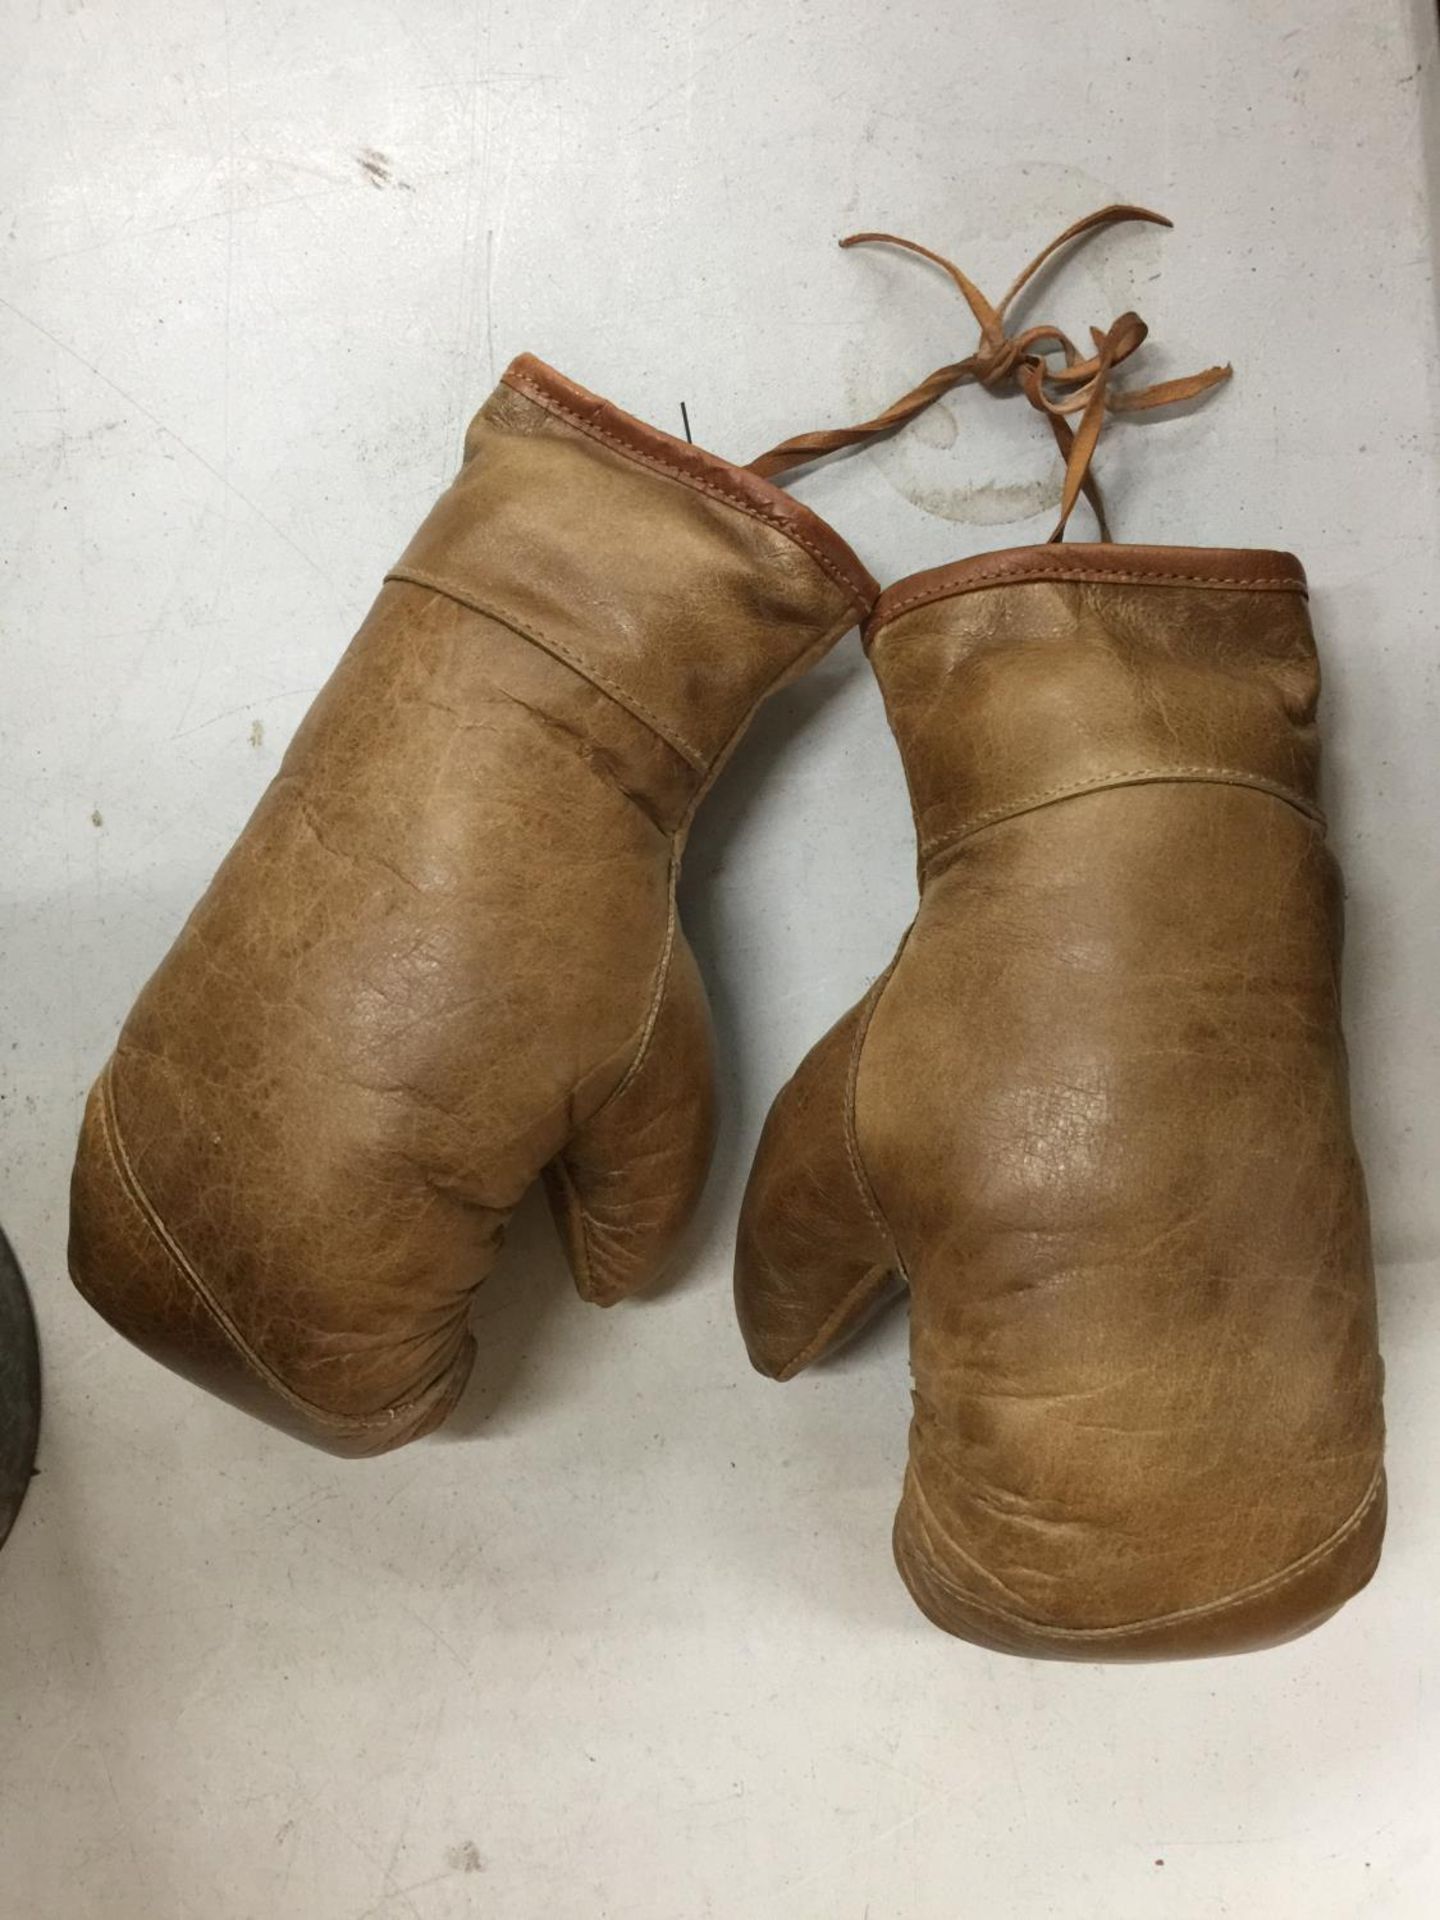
<point>1137,776</point>
<point>868,1284</point>
<point>577,1213</point>
<point>1205,1610</point>
<point>140,1200</point>
<point>852,1142</point>
<point>752,508</point>
<point>647,1035</point>
<point>869,1198</point>
<point>455,590</point>
<point>1077,576</point>
<point>657,998</point>
<point>873,1276</point>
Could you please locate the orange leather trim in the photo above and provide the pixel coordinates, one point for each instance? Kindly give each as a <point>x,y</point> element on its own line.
<point>1251,569</point>
<point>695,468</point>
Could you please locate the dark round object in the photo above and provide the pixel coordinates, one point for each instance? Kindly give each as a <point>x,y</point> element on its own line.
<point>19,1389</point>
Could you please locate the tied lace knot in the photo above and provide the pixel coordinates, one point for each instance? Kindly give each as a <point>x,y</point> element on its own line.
<point>1042,361</point>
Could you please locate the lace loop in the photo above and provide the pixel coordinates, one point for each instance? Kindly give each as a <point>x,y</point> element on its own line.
<point>1042,361</point>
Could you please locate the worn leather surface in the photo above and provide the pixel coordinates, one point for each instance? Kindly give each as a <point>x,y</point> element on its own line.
<point>443,956</point>
<point>1096,1115</point>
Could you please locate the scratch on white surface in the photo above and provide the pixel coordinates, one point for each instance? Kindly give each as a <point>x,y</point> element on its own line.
<point>489,305</point>
<point>477,180</point>
<point>1000,1720</point>
<point>350,190</point>
<point>245,706</point>
<point>868,1757</point>
<point>76,172</point>
<point>422,1783</point>
<point>697,68</point>
<point>127,1824</point>
<point>229,273</point>
<point>139,407</point>
<point>389,1891</point>
<point>404,1892</point>
<point>832,1867</point>
<point>439,1638</point>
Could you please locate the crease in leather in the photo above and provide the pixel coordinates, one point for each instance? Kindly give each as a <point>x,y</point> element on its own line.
<point>785,676</point>
<point>1107,783</point>
<point>590,755</point>
<point>134,1190</point>
<point>466,597</point>
<point>862,592</point>
<point>1206,1609</point>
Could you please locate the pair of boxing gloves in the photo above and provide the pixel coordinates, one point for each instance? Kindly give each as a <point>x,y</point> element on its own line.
<point>1094,1115</point>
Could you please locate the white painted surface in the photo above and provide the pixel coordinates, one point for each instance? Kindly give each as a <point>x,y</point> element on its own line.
<point>626,1640</point>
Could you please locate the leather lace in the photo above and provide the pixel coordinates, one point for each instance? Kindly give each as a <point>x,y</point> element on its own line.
<point>1043,362</point>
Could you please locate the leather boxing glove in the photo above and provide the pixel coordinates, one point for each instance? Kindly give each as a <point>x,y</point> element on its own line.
<point>1095,1114</point>
<point>443,956</point>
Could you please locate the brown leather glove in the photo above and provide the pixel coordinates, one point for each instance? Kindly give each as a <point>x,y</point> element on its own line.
<point>443,955</point>
<point>1096,1115</point>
